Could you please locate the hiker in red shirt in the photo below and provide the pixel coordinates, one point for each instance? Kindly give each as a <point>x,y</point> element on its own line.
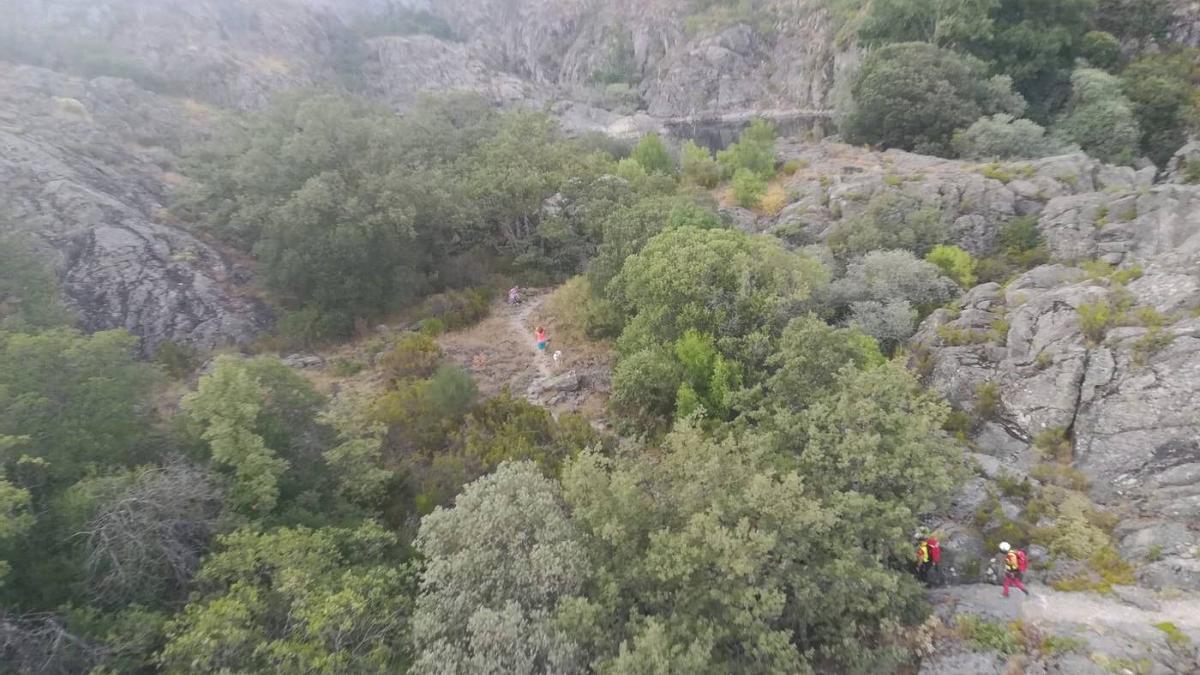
<point>541,339</point>
<point>1015,564</point>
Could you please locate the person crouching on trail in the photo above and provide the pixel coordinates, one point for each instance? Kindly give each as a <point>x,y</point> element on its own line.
<point>1015,563</point>
<point>541,339</point>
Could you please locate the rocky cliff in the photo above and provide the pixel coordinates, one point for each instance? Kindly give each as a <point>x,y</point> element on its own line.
<point>1097,351</point>
<point>86,166</point>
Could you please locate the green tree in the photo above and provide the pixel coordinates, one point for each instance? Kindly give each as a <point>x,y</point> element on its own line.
<point>945,23</point>
<point>698,166</point>
<point>16,518</point>
<point>29,291</point>
<point>877,433</point>
<point>728,284</point>
<point>226,407</point>
<point>1138,20</point>
<point>1100,118</point>
<point>914,96</point>
<point>810,356</point>
<point>297,600</point>
<point>715,555</point>
<point>77,400</point>
<point>1102,50</point>
<point>625,230</point>
<point>1162,88</point>
<point>652,154</point>
<point>498,566</point>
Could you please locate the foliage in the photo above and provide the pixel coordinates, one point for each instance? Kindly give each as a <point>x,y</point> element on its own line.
<point>748,188</point>
<point>698,167</point>
<point>414,356</point>
<point>29,292</point>
<point>626,229</point>
<point>327,601</point>
<point>1136,20</point>
<point>754,152</point>
<point>647,382</point>
<point>809,358</point>
<point>76,400</point>
<point>938,22</point>
<point>1099,117</point>
<point>1094,320</point>
<point>459,309</point>
<point>890,324</point>
<point>670,287</point>
<point>1102,50</point>
<point>226,406</point>
<point>1002,136</point>
<point>954,263</point>
<point>891,276</point>
<point>499,565</point>
<point>1162,88</point>
<point>873,434</point>
<point>989,635</point>
<point>891,220</point>
<point>914,96</point>
<point>652,154</point>
<point>987,400</point>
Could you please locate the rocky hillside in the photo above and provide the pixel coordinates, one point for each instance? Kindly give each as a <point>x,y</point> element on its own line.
<point>1099,349</point>
<point>86,167</point>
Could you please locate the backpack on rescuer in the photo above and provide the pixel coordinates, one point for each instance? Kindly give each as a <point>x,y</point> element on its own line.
<point>935,550</point>
<point>1022,561</point>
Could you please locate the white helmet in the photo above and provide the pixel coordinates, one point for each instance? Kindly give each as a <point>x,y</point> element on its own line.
<point>1004,546</point>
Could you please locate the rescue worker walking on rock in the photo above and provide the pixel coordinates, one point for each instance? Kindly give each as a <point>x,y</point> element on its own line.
<point>929,558</point>
<point>1015,563</point>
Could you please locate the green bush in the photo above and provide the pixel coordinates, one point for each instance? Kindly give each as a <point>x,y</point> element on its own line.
<point>1001,136</point>
<point>177,359</point>
<point>748,188</point>
<point>1100,118</point>
<point>647,383</point>
<point>415,356</point>
<point>990,635</point>
<point>954,263</point>
<point>753,152</point>
<point>451,390</point>
<point>914,96</point>
<point>891,220</point>
<point>1055,444</point>
<point>652,155</point>
<point>1094,320</point>
<point>459,309</point>
<point>311,327</point>
<point>1101,49</point>
<point>698,166</point>
<point>987,400</point>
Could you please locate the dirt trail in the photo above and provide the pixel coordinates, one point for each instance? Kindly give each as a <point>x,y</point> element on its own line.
<point>501,354</point>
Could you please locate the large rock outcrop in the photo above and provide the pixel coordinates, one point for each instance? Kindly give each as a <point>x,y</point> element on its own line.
<point>85,166</point>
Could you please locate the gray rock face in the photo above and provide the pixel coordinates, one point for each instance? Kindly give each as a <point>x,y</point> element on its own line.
<point>1127,398</point>
<point>83,165</point>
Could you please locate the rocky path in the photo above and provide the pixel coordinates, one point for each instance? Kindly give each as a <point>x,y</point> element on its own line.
<point>1129,609</point>
<point>1129,631</point>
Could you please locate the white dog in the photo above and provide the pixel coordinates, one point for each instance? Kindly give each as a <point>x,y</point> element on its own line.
<point>557,358</point>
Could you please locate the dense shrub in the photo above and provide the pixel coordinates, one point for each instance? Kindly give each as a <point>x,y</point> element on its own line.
<point>459,309</point>
<point>698,166</point>
<point>1003,137</point>
<point>1162,88</point>
<point>652,155</point>
<point>914,96</point>
<point>1100,118</point>
<point>891,220</point>
<point>414,356</point>
<point>954,263</point>
<point>754,151</point>
<point>748,188</point>
<point>1102,50</point>
<point>889,323</point>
